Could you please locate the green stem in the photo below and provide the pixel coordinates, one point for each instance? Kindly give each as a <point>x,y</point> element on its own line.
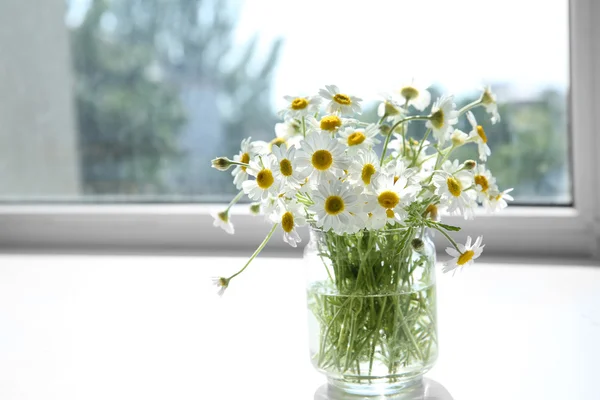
<point>235,200</point>
<point>387,139</point>
<point>469,106</point>
<point>303,127</point>
<point>256,252</point>
<point>447,237</point>
<point>421,146</point>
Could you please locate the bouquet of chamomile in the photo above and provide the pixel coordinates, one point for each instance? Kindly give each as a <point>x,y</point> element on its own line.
<point>328,169</point>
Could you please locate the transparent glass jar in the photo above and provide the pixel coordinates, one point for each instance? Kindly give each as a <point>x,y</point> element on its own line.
<point>372,308</point>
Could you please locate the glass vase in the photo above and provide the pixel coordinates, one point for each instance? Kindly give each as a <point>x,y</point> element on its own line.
<point>372,308</point>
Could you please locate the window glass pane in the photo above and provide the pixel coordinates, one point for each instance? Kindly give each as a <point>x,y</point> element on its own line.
<point>159,88</point>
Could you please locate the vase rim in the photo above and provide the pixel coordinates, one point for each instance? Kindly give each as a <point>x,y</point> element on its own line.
<point>378,231</point>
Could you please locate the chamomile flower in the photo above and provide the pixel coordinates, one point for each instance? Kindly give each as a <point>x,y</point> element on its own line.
<point>390,107</point>
<point>222,221</point>
<point>286,168</point>
<point>496,200</point>
<point>364,168</point>
<point>485,183</point>
<point>488,99</point>
<point>221,283</point>
<point>465,254</point>
<point>359,138</point>
<point>323,157</point>
<point>265,183</point>
<point>415,94</point>
<point>455,194</point>
<point>478,136</point>
<point>390,197</point>
<point>248,151</point>
<point>336,205</point>
<point>339,102</point>
<point>299,106</point>
<point>443,117</point>
<point>290,215</point>
<point>458,138</point>
<point>398,168</point>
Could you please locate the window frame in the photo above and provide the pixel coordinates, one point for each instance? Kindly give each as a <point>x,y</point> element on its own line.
<point>572,232</point>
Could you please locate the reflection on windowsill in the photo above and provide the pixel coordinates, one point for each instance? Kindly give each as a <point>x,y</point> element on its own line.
<point>428,390</point>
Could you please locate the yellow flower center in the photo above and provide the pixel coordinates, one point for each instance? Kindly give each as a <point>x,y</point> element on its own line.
<point>342,99</point>
<point>334,205</point>
<point>245,159</point>
<point>367,172</point>
<point>330,123</point>
<point>437,118</point>
<point>287,222</point>
<point>285,167</point>
<point>454,186</point>
<point>388,199</point>
<point>487,98</point>
<point>481,133</point>
<point>264,179</point>
<point>465,257</point>
<point>277,142</point>
<point>409,92</point>
<point>432,211</point>
<point>482,181</point>
<point>356,138</point>
<point>223,282</point>
<point>322,160</point>
<point>223,216</point>
<point>498,197</point>
<point>299,103</point>
<point>389,213</point>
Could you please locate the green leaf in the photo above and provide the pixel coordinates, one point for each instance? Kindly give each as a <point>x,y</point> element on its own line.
<point>449,227</point>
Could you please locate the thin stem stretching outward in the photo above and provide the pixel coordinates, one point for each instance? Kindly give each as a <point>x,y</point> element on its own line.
<point>387,139</point>
<point>448,237</point>
<point>414,162</point>
<point>469,106</point>
<point>256,252</point>
<point>303,127</point>
<point>235,200</point>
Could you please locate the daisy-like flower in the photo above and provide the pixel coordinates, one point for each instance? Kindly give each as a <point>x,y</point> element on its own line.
<point>465,254</point>
<point>443,117</point>
<point>298,107</point>
<point>290,215</point>
<point>478,136</point>
<point>248,151</point>
<point>339,102</point>
<point>488,99</point>
<point>265,183</point>
<point>222,221</point>
<point>286,169</point>
<point>455,196</point>
<point>359,138</point>
<point>458,138</point>
<point>390,108</point>
<point>496,200</point>
<point>485,183</point>
<point>365,168</point>
<point>336,207</point>
<point>400,168</point>
<point>323,157</point>
<point>221,283</point>
<point>390,198</point>
<point>415,94</point>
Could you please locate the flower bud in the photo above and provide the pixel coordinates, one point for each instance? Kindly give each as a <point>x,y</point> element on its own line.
<point>390,109</point>
<point>470,164</point>
<point>417,244</point>
<point>221,163</point>
<point>255,208</point>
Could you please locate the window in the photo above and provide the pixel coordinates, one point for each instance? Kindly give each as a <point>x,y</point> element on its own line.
<point>126,101</point>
